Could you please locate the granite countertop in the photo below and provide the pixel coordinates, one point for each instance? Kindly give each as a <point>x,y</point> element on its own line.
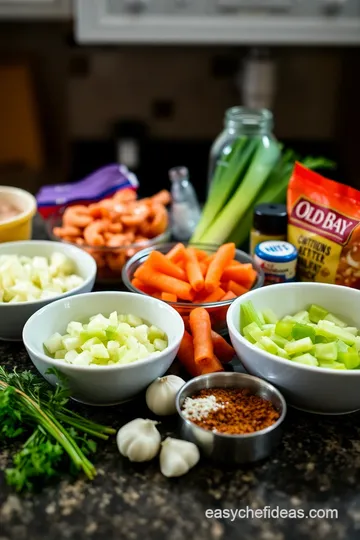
<point>316,466</point>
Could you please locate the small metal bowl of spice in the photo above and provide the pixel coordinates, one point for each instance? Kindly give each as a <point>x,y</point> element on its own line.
<point>231,417</point>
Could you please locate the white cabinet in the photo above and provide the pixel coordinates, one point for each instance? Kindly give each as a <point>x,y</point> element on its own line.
<point>35,9</point>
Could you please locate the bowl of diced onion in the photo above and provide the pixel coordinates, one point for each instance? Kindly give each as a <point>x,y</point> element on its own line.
<point>34,273</point>
<point>108,345</point>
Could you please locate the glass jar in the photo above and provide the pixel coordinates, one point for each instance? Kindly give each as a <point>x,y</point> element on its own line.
<point>240,122</point>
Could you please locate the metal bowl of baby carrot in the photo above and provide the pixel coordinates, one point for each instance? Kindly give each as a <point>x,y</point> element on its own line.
<point>232,417</point>
<point>112,230</point>
<point>163,271</point>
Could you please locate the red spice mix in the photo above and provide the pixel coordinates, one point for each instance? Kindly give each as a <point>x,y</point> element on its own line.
<point>241,412</point>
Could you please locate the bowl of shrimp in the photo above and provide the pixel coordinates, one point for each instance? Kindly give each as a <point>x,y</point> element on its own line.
<point>112,230</point>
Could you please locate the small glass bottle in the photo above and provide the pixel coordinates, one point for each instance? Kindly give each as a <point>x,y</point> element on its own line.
<point>185,209</point>
<point>269,223</point>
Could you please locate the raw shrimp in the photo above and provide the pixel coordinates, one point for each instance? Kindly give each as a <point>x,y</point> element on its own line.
<point>94,233</point>
<point>115,228</point>
<point>77,216</point>
<point>116,261</point>
<point>67,231</point>
<point>97,211</point>
<point>116,240</point>
<point>125,195</point>
<point>158,224</point>
<point>138,213</point>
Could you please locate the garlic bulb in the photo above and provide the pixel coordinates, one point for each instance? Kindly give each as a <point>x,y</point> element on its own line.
<point>177,457</point>
<point>139,440</point>
<point>161,394</point>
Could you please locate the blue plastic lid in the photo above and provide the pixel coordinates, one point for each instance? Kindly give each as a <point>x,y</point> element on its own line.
<point>276,251</point>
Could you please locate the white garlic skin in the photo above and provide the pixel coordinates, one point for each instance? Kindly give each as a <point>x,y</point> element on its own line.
<point>177,457</point>
<point>161,394</point>
<point>139,440</point>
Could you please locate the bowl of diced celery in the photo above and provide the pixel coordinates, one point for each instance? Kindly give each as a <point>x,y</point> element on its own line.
<point>34,273</point>
<point>109,345</point>
<point>305,339</point>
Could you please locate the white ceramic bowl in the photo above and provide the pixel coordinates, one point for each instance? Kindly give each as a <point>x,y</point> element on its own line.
<point>103,385</point>
<point>14,316</point>
<point>313,389</point>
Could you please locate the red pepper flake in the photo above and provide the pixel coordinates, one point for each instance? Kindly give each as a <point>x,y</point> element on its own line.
<point>238,411</point>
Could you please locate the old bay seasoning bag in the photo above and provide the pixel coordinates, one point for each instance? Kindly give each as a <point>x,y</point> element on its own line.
<point>324,225</point>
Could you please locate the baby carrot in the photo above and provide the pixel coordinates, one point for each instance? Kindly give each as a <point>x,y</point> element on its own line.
<point>158,261</point>
<point>223,257</point>
<point>215,296</point>
<point>193,270</point>
<point>243,274</point>
<point>168,297</point>
<point>142,287</point>
<point>176,253</point>
<point>213,365</point>
<point>201,331</point>
<point>228,296</point>
<point>203,267</point>
<point>236,288</point>
<point>186,355</point>
<point>222,349</point>
<point>164,283</point>
<point>200,254</point>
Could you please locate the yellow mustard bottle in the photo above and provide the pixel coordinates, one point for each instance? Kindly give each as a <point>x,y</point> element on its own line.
<point>269,223</point>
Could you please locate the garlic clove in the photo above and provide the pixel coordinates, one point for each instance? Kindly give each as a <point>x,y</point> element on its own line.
<point>139,440</point>
<point>177,457</point>
<point>161,395</point>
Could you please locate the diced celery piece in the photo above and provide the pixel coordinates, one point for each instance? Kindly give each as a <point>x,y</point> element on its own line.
<point>283,328</point>
<point>301,330</point>
<point>322,339</point>
<point>141,333</point>
<point>248,314</point>
<point>133,320</point>
<point>327,329</point>
<point>351,330</point>
<point>301,316</point>
<point>288,318</point>
<point>112,345</point>
<point>155,333</point>
<point>89,334</point>
<point>350,359</point>
<point>113,319</point>
<point>267,331</point>
<point>316,313</point>
<point>332,365</point>
<point>160,344</point>
<point>60,354</point>
<point>150,347</point>
<point>54,343</point>
<point>112,332</point>
<point>282,353</point>
<point>357,343</point>
<point>99,322</point>
<point>269,327</point>
<point>341,346</point>
<point>327,352</point>
<point>338,322</point>
<point>269,316</point>
<point>253,331</point>
<point>89,343</point>
<point>301,346</point>
<point>307,359</point>
<point>74,328</point>
<point>269,345</point>
<point>259,346</point>
<point>128,357</point>
<point>279,340</point>
<point>70,343</point>
<point>99,351</point>
<point>84,359</point>
<point>70,356</point>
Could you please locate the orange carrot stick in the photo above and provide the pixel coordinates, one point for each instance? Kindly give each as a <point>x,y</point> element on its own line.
<point>142,287</point>
<point>236,288</point>
<point>215,296</point>
<point>193,270</point>
<point>201,331</point>
<point>213,365</point>
<point>223,257</point>
<point>203,267</point>
<point>164,283</point>
<point>222,349</point>
<point>168,297</point>
<point>186,355</point>
<point>228,296</point>
<point>176,253</point>
<point>200,254</point>
<point>158,261</point>
<point>243,274</point>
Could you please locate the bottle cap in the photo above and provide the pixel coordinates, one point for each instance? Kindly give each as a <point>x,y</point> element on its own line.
<point>270,218</point>
<point>276,251</point>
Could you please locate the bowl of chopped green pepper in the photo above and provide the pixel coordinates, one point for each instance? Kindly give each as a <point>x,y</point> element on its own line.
<point>303,338</point>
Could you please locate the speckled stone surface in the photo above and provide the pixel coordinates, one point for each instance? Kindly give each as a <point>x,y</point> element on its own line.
<point>317,466</point>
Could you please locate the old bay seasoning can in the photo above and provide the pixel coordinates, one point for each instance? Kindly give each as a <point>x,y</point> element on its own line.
<point>278,260</point>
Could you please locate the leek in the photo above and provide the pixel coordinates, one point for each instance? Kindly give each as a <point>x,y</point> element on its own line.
<point>227,176</point>
<point>259,169</point>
